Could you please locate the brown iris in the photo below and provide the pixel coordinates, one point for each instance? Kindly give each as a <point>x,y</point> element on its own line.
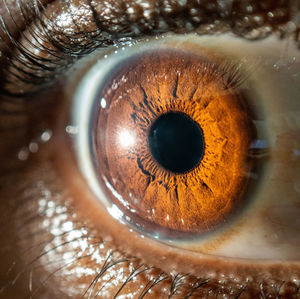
<point>171,144</point>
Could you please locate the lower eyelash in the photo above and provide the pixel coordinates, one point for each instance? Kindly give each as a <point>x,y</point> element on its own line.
<point>174,285</point>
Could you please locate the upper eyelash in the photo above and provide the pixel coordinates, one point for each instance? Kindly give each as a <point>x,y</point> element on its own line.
<point>37,70</point>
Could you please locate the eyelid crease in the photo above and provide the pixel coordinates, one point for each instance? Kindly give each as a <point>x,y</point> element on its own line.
<point>49,46</point>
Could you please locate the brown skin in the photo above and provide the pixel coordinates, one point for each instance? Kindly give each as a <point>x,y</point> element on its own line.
<point>48,186</point>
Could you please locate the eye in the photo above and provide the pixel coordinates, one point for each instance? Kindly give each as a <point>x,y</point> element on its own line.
<point>175,139</point>
<point>249,244</point>
<point>159,144</point>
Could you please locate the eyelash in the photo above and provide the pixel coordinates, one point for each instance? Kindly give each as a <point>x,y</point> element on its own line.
<point>63,57</point>
<point>60,57</point>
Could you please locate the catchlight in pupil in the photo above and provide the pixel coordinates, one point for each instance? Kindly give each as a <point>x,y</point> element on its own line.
<point>171,147</point>
<point>176,142</point>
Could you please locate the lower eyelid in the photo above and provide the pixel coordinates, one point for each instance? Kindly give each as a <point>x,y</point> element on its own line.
<point>170,259</point>
<point>49,242</point>
<point>52,240</point>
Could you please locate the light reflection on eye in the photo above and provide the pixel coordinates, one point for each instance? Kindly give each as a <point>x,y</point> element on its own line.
<point>283,153</point>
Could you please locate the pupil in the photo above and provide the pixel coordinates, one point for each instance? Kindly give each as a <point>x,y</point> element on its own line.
<point>176,142</point>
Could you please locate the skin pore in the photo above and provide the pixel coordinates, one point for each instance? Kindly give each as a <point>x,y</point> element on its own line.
<point>56,242</point>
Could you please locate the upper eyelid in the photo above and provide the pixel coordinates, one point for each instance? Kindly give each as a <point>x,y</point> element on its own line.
<point>233,13</point>
<point>213,19</point>
<point>238,16</point>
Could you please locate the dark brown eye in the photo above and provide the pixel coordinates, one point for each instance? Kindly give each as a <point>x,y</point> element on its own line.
<point>171,146</point>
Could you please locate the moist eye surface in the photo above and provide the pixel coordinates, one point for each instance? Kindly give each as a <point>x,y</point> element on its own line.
<point>171,140</point>
<point>214,198</point>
